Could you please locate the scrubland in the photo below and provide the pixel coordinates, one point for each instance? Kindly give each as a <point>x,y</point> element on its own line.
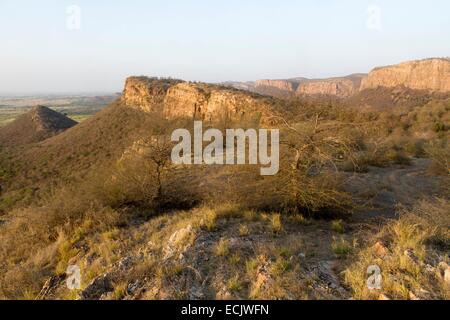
<point>104,196</point>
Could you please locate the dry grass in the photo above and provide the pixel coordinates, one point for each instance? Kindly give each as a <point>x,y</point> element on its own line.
<point>338,226</point>
<point>341,247</point>
<point>222,249</point>
<point>416,243</point>
<point>276,224</point>
<point>104,209</point>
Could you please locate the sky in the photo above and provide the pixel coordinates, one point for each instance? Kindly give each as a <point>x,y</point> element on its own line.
<point>59,46</point>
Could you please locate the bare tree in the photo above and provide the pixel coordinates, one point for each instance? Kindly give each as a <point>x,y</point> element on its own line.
<point>313,150</point>
<point>158,151</point>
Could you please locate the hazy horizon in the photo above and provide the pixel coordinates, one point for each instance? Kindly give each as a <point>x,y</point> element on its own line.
<point>51,47</point>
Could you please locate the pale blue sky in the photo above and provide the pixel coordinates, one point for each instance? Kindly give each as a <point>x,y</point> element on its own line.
<point>208,40</point>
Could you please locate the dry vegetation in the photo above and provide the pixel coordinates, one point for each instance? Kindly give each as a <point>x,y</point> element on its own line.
<point>412,254</point>
<point>103,197</point>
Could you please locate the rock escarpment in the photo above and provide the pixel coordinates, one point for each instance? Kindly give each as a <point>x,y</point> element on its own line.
<point>430,74</point>
<point>427,76</point>
<point>211,102</point>
<point>201,101</point>
<point>284,85</point>
<point>339,87</point>
<point>146,93</point>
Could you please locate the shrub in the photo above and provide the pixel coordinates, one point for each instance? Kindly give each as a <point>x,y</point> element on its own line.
<point>338,226</point>
<point>275,223</point>
<point>234,283</point>
<point>439,151</point>
<point>244,230</point>
<point>341,247</point>
<point>222,248</point>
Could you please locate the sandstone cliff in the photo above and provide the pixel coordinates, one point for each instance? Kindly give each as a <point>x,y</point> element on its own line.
<point>430,74</point>
<point>146,93</point>
<point>202,101</point>
<point>284,85</point>
<point>339,87</point>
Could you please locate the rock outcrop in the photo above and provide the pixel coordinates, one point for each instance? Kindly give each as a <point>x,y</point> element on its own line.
<point>212,102</point>
<point>284,85</point>
<point>339,87</point>
<point>430,74</point>
<point>425,76</point>
<point>201,101</point>
<point>146,93</point>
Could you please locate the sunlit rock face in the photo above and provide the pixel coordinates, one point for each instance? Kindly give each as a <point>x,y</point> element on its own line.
<point>430,74</point>
<point>284,85</point>
<point>339,87</point>
<point>201,101</point>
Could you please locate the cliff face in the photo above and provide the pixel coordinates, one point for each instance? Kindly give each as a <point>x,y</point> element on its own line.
<point>145,93</point>
<point>284,85</point>
<point>340,87</point>
<point>431,74</point>
<point>194,100</point>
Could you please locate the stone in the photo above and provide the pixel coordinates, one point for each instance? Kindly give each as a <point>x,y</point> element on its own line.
<point>179,242</point>
<point>383,297</point>
<point>380,250</point>
<point>50,285</point>
<point>97,288</point>
<point>412,296</point>
<point>125,263</point>
<point>133,287</point>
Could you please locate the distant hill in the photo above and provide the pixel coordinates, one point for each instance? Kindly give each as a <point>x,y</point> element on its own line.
<point>417,78</point>
<point>36,125</point>
<point>341,87</point>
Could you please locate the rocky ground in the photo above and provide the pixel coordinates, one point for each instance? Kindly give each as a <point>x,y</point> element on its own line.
<point>226,254</point>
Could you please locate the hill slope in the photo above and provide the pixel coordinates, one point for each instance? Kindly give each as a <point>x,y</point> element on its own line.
<point>36,125</point>
<point>148,107</point>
